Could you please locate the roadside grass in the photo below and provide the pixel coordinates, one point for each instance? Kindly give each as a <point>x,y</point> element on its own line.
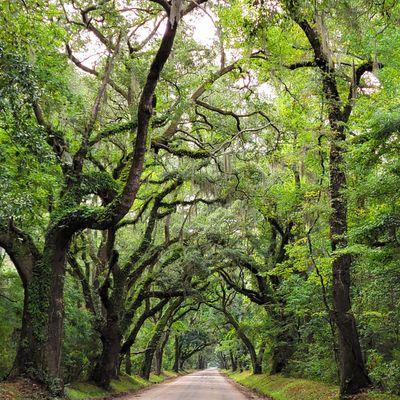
<point>279,387</point>
<point>126,384</point>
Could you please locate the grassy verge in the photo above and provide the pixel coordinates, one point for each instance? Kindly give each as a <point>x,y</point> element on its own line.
<point>282,388</point>
<point>126,384</point>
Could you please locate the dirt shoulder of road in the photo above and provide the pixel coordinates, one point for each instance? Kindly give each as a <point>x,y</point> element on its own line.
<point>22,389</point>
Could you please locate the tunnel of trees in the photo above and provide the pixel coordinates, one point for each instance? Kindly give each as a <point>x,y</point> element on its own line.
<point>200,183</point>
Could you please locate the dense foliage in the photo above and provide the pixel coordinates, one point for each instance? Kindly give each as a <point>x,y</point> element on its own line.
<point>193,183</point>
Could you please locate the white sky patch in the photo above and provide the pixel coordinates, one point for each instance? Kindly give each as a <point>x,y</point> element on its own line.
<point>202,23</point>
<point>204,30</point>
<point>266,92</point>
<point>372,83</point>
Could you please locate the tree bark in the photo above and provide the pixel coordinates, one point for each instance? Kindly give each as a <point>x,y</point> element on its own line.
<point>255,362</point>
<point>128,363</point>
<point>201,362</point>
<point>158,358</point>
<point>23,253</point>
<point>107,366</point>
<point>284,346</point>
<point>160,353</point>
<point>155,339</point>
<point>353,374</point>
<point>177,357</point>
<point>352,371</point>
<point>45,314</point>
<point>22,355</point>
<point>234,364</point>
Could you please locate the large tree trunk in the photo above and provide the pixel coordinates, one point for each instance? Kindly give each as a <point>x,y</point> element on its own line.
<point>257,367</point>
<point>279,359</point>
<point>177,357</point>
<point>128,363</point>
<point>40,355</point>
<point>284,346</point>
<point>201,362</point>
<point>22,355</point>
<point>155,340</point>
<point>260,355</point>
<point>26,257</point>
<point>234,364</point>
<point>158,355</point>
<point>255,362</point>
<point>106,368</point>
<point>148,355</point>
<point>353,374</point>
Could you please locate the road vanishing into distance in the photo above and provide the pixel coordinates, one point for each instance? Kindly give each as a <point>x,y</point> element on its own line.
<point>202,385</point>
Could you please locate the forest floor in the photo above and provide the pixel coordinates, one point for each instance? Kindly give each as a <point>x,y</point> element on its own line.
<point>24,389</point>
<point>278,387</point>
<point>126,384</point>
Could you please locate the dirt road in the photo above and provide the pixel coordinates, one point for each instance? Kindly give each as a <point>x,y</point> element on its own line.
<point>202,385</point>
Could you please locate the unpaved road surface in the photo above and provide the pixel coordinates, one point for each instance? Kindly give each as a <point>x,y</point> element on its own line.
<point>202,385</point>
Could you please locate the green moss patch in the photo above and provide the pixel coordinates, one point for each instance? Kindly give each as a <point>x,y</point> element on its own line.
<point>83,390</point>
<point>278,387</point>
<point>126,384</point>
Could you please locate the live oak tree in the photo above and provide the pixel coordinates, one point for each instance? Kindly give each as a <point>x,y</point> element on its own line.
<point>115,293</point>
<point>40,351</point>
<point>353,374</point>
<point>256,352</point>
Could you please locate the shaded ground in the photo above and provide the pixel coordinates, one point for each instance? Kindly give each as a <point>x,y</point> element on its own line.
<point>22,389</point>
<point>125,384</point>
<point>202,385</point>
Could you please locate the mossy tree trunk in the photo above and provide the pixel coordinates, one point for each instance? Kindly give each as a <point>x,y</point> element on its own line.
<point>25,256</point>
<point>177,353</point>
<point>158,356</point>
<point>201,362</point>
<point>256,361</point>
<point>234,364</point>
<point>353,374</point>
<point>40,355</point>
<point>45,293</point>
<point>107,366</point>
<point>128,363</point>
<point>283,347</point>
<point>157,336</point>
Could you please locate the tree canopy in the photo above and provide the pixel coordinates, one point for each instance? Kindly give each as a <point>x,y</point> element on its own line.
<point>195,183</point>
